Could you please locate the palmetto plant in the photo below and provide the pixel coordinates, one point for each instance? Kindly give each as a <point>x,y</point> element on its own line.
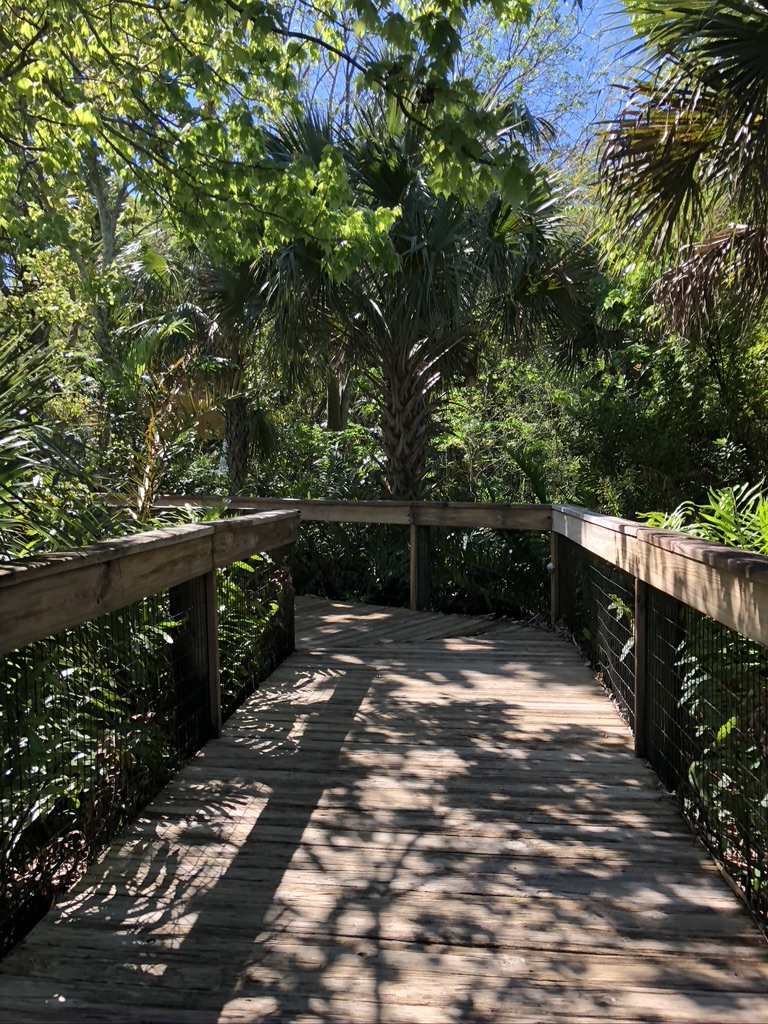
<point>175,366</point>
<point>413,323</point>
<point>686,161</point>
<point>735,516</point>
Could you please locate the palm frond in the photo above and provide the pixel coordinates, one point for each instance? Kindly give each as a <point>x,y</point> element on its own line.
<point>691,139</point>
<point>696,123</point>
<point>719,277</point>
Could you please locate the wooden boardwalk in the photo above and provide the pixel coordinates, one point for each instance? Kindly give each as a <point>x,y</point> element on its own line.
<point>417,818</point>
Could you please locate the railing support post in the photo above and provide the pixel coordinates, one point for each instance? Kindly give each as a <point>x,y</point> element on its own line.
<point>195,656</point>
<point>212,646</point>
<point>421,583</point>
<point>641,669</point>
<point>555,575</point>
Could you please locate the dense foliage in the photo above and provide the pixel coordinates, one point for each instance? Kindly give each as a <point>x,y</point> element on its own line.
<point>337,254</point>
<point>345,250</point>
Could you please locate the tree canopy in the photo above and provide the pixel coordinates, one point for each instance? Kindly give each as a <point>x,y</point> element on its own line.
<point>175,96</point>
<point>375,185</point>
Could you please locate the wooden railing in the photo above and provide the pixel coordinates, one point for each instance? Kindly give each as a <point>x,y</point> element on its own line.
<point>40,596</point>
<point>111,677</point>
<point>725,583</point>
<point>43,595</point>
<point>659,591</point>
<point>419,516</point>
<point>677,628</point>
<point>729,585</point>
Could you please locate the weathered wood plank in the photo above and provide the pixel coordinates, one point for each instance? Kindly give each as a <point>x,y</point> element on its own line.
<point>456,514</point>
<point>727,584</point>
<point>550,965</point>
<point>240,537</point>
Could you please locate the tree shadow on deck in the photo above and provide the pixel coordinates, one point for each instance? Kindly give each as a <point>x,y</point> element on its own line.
<point>388,838</point>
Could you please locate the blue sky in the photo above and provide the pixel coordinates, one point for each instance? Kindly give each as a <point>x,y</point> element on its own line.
<point>604,62</point>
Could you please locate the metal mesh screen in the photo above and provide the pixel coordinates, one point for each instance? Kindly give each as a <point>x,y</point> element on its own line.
<point>484,571</point>
<point>707,735</point>
<point>704,708</point>
<point>95,720</point>
<point>90,732</point>
<point>473,571</point>
<point>597,604</point>
<point>353,561</point>
<point>256,628</point>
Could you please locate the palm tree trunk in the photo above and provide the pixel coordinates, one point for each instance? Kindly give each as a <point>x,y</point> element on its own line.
<point>406,431</point>
<point>236,436</point>
<point>335,401</point>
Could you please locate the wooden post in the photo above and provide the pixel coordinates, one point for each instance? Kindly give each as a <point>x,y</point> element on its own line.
<point>665,741</point>
<point>283,557</point>
<point>195,655</point>
<point>555,554</point>
<point>212,646</point>
<point>421,583</point>
<point>641,674</point>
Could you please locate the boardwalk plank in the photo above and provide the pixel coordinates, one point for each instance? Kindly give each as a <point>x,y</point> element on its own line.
<point>417,818</point>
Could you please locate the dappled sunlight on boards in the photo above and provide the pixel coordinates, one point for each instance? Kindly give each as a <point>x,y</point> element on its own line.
<point>417,818</point>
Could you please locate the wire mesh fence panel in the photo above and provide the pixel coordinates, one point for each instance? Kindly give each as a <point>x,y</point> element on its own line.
<point>597,603</point>
<point>94,722</point>
<point>472,571</point>
<point>482,571</point>
<point>353,562</point>
<point>707,736</point>
<point>256,628</point>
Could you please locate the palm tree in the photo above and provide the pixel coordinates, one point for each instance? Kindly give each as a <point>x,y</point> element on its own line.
<point>686,161</point>
<point>411,323</point>
<point>461,271</point>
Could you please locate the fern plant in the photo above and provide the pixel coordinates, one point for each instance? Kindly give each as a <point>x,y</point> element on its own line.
<point>735,516</point>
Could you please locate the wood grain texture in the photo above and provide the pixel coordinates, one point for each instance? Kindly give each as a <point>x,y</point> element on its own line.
<point>729,585</point>
<point>417,818</point>
<point>467,514</point>
<point>420,568</point>
<point>41,596</point>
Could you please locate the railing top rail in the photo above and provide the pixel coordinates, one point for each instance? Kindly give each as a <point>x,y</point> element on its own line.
<point>725,583</point>
<point>728,584</point>
<point>735,561</point>
<point>51,563</point>
<point>43,595</point>
<point>467,514</point>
